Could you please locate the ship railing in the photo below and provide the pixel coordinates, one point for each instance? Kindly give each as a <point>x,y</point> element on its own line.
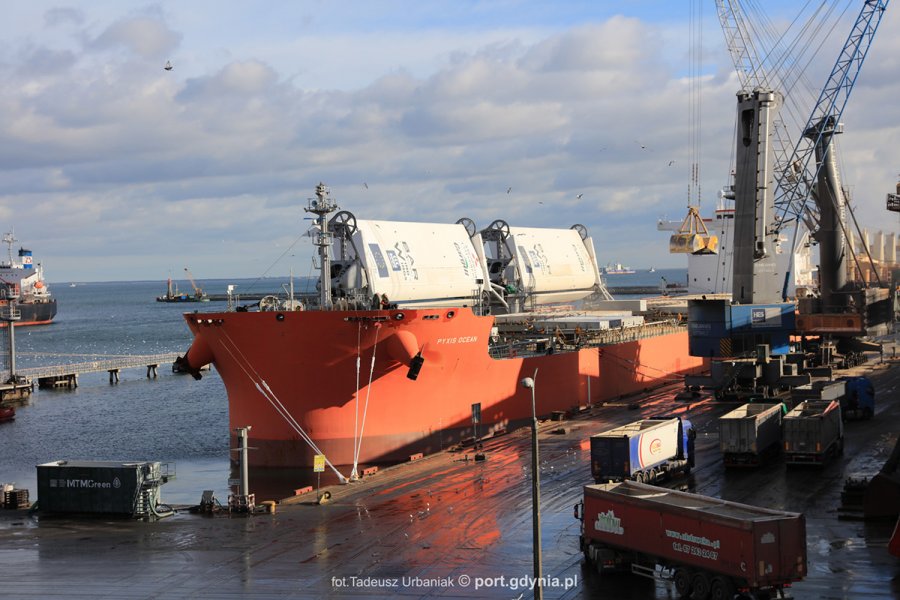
<point>540,345</point>
<point>10,313</point>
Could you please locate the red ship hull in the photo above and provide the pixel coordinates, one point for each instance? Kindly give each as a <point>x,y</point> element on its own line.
<point>317,368</point>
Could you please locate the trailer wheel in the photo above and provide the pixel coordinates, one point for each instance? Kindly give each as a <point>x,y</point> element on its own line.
<point>701,586</point>
<point>639,477</point>
<point>722,589</point>
<point>682,579</point>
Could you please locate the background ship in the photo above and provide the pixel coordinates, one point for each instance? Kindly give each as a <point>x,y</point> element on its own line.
<point>413,324</point>
<point>24,281</point>
<point>617,269</point>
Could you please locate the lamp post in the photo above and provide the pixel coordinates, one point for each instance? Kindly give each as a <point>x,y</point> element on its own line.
<point>528,382</point>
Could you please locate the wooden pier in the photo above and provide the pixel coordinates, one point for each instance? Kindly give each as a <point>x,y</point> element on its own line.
<point>56,376</point>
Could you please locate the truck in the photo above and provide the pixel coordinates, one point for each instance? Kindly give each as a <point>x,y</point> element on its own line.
<point>751,433</point>
<point>813,432</point>
<point>856,395</point>
<point>858,401</point>
<point>645,451</point>
<point>708,547</point>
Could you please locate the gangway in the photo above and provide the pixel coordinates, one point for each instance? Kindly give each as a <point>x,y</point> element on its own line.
<point>66,375</point>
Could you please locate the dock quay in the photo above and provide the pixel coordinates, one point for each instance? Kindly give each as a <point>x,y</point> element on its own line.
<point>444,526</point>
<point>66,376</point>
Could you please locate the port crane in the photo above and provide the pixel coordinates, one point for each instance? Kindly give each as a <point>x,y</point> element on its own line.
<point>757,321</point>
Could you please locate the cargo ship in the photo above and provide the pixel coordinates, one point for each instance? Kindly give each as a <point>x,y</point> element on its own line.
<point>617,269</point>
<point>23,281</point>
<point>416,328</point>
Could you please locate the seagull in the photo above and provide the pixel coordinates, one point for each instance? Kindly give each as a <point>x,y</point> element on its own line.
<point>671,162</point>
<point>366,184</point>
<point>579,196</point>
<point>508,190</point>
<point>168,66</point>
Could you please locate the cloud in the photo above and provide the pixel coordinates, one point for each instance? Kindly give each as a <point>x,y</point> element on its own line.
<point>102,144</point>
<point>146,36</point>
<point>60,16</point>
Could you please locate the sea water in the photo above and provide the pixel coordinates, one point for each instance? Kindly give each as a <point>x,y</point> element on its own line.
<point>171,418</point>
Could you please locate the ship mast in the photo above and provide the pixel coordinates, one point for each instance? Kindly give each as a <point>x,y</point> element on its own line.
<point>322,205</point>
<point>9,239</point>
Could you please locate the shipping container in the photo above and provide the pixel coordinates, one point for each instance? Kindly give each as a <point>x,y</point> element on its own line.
<point>750,433</point>
<point>101,487</point>
<point>709,547</point>
<point>813,432</point>
<point>645,450</point>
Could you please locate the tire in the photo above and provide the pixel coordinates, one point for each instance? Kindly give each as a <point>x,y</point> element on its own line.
<point>682,580</point>
<point>639,477</point>
<point>722,588</point>
<point>700,583</point>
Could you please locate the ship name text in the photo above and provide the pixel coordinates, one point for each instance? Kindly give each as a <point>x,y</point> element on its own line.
<point>465,339</point>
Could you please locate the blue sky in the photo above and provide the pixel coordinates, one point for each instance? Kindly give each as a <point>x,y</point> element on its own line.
<point>113,169</point>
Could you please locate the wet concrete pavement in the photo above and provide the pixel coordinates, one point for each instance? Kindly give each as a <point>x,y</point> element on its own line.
<point>447,527</point>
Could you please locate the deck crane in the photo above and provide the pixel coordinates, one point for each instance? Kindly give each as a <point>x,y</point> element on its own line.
<point>198,291</point>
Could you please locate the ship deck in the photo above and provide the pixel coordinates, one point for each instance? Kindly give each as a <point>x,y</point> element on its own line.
<point>463,528</point>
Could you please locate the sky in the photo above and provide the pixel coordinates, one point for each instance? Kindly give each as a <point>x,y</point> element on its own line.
<point>542,114</point>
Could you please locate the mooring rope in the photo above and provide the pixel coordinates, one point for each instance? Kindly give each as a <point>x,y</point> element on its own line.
<point>368,393</point>
<point>272,398</point>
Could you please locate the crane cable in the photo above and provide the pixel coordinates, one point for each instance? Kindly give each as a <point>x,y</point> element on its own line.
<point>695,53</point>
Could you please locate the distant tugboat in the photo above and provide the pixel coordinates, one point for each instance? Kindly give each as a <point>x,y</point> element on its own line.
<point>23,281</point>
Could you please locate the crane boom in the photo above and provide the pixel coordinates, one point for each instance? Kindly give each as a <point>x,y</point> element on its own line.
<point>794,191</point>
<point>198,291</point>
